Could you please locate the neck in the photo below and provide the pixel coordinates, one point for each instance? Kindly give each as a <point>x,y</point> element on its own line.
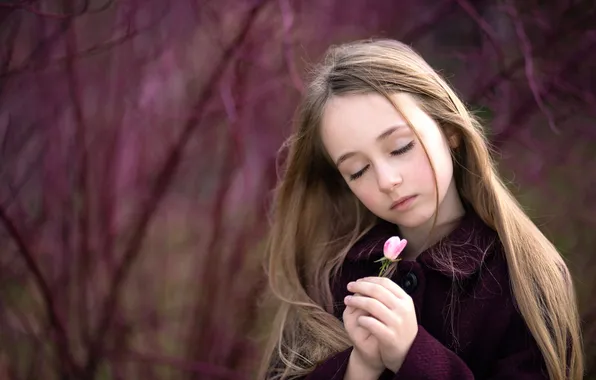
<point>421,237</point>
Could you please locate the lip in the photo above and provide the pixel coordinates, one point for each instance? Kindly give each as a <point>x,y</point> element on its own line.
<point>403,202</point>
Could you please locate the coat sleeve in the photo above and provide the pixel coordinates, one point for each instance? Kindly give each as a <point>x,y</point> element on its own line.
<point>429,359</point>
<point>518,358</point>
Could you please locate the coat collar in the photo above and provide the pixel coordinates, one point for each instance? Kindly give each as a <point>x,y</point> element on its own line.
<point>466,247</point>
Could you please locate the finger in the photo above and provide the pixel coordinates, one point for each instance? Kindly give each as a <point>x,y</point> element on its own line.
<point>374,307</point>
<point>376,291</point>
<point>387,284</point>
<point>354,310</point>
<point>378,329</point>
<point>351,314</point>
<point>350,318</point>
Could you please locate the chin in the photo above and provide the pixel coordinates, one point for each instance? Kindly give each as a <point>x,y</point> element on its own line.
<point>412,219</point>
<point>411,222</point>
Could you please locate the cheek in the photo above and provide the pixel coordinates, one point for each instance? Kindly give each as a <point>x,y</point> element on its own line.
<point>423,173</point>
<point>365,192</point>
<point>444,171</point>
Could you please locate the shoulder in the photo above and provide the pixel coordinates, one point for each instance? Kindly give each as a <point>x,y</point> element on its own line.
<point>470,251</point>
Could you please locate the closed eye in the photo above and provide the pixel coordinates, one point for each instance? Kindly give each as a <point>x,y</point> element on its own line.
<point>359,173</point>
<point>396,152</point>
<point>403,150</point>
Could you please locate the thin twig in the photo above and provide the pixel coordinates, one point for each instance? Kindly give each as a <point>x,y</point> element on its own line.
<point>578,93</point>
<point>127,35</point>
<point>488,30</point>
<point>522,113</point>
<point>205,324</point>
<point>549,41</point>
<point>41,48</point>
<point>287,17</point>
<point>46,294</point>
<point>8,47</point>
<point>423,28</point>
<point>82,181</point>
<point>526,47</point>
<point>53,15</point>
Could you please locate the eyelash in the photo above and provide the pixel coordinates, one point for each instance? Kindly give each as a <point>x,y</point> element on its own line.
<point>397,152</point>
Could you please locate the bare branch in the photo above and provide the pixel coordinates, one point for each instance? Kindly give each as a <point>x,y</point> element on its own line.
<point>82,181</point>
<point>526,47</point>
<point>522,113</point>
<point>8,46</point>
<point>55,15</point>
<point>225,91</point>
<point>423,28</point>
<point>158,191</point>
<point>578,93</point>
<point>103,7</point>
<point>287,17</point>
<point>46,294</point>
<point>37,12</point>
<point>549,41</point>
<point>41,48</point>
<point>488,30</point>
<point>127,35</point>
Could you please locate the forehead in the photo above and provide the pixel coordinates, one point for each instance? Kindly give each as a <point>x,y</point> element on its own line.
<point>351,121</point>
<point>351,112</point>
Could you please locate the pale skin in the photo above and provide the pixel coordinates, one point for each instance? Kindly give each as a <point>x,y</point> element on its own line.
<point>383,161</point>
<point>382,319</point>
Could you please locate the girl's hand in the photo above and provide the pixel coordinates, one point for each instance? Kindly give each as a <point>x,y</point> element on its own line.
<point>386,312</point>
<point>365,354</point>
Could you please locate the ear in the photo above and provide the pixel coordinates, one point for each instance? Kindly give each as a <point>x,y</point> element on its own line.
<point>453,138</point>
<point>454,141</point>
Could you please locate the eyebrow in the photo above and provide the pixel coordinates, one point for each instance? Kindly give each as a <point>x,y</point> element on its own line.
<point>388,132</point>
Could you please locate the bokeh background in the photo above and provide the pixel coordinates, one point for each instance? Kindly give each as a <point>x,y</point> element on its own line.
<point>138,145</point>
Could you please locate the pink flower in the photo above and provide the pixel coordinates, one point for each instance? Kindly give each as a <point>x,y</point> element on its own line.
<point>391,250</point>
<point>393,247</point>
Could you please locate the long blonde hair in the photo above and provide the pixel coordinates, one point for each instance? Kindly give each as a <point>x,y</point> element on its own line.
<point>316,219</point>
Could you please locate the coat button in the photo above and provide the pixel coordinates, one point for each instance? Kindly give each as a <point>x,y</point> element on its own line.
<point>409,283</point>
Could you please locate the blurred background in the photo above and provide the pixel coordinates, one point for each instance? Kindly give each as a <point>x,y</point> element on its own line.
<point>138,145</point>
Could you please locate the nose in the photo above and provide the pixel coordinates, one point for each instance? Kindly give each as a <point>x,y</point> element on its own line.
<point>388,179</point>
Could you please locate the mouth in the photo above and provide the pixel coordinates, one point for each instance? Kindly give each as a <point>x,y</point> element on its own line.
<point>402,202</point>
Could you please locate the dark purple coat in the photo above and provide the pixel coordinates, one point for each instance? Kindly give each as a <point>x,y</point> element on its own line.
<point>493,342</point>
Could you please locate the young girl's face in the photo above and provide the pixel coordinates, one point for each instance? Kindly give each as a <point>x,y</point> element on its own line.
<point>382,160</point>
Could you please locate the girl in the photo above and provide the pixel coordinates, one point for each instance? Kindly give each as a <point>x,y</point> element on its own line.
<point>384,147</point>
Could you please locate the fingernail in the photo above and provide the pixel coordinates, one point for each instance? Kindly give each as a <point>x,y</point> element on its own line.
<point>350,284</point>
<point>347,299</point>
